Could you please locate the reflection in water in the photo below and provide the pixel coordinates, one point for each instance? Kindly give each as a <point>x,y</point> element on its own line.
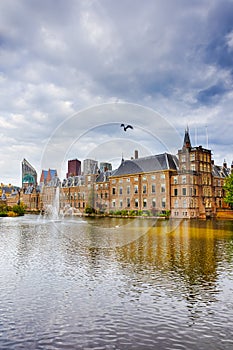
<point>116,284</point>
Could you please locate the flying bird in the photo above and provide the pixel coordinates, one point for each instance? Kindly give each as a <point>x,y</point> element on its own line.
<point>126,127</point>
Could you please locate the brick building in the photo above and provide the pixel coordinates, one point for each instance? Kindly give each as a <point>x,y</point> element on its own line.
<point>188,185</point>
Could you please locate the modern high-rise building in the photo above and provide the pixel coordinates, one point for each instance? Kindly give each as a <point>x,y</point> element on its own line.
<point>104,166</point>
<point>90,166</point>
<point>29,174</point>
<point>74,168</point>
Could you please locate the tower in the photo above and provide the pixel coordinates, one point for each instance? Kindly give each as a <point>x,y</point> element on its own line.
<point>74,168</point>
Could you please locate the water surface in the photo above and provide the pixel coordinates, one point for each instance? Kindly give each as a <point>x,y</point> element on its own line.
<point>115,284</point>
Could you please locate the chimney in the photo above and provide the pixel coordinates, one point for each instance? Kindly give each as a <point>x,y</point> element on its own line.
<point>136,154</point>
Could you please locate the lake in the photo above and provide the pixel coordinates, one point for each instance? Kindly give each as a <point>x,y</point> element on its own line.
<point>114,283</point>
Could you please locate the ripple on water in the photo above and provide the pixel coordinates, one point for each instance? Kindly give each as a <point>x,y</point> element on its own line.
<point>162,291</point>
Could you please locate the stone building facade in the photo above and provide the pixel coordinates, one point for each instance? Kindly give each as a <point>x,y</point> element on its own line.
<point>188,185</point>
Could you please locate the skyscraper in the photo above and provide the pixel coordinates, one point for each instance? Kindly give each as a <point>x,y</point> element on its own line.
<point>74,168</point>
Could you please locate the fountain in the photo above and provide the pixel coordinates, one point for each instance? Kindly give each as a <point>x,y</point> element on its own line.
<point>71,211</point>
<point>52,210</point>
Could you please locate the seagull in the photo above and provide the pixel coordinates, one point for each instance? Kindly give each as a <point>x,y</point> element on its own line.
<point>126,127</point>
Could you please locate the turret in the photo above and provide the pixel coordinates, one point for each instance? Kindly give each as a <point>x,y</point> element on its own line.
<point>187,142</point>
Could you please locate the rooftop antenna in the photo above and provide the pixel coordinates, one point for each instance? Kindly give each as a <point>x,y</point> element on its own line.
<point>207,140</point>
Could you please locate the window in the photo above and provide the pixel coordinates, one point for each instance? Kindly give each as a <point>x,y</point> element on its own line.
<point>175,191</point>
<point>184,179</point>
<point>120,190</point>
<point>184,203</point>
<point>164,203</point>
<point>183,159</point>
<point>136,203</point>
<point>135,188</point>
<point>128,179</point>
<point>162,176</point>
<point>162,188</point>
<point>192,157</point>
<point>144,202</point>
<point>96,187</point>
<point>121,203</point>
<point>184,191</point>
<point>152,177</point>
<point>113,203</point>
<point>113,190</point>
<point>175,180</point>
<point>144,178</point>
<point>120,181</point>
<point>176,203</point>
<point>193,167</point>
<point>153,188</point>
<point>136,179</point>
<point>153,203</point>
<point>144,189</point>
<point>128,189</point>
<point>128,202</point>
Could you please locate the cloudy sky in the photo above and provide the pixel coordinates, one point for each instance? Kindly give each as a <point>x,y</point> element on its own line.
<point>71,71</point>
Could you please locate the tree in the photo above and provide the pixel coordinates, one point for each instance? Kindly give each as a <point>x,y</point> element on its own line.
<point>228,187</point>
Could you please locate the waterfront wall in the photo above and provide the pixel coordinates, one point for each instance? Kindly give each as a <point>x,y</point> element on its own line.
<point>224,214</point>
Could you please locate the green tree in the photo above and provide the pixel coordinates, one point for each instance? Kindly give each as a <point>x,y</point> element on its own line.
<point>228,187</point>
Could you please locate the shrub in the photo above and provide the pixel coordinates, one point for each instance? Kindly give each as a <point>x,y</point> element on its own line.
<point>11,213</point>
<point>89,210</point>
<point>18,209</point>
<point>124,212</point>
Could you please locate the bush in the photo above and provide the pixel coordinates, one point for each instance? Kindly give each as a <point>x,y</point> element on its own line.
<point>18,209</point>
<point>12,214</point>
<point>118,212</point>
<point>124,212</point>
<point>89,210</point>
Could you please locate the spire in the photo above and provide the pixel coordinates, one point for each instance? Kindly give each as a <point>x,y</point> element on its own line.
<point>187,142</point>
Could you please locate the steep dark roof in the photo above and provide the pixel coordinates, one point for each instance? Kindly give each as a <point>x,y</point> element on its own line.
<point>220,171</point>
<point>103,176</point>
<point>163,161</point>
<point>187,142</point>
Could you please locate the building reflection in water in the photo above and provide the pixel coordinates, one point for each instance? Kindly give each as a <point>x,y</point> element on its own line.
<point>183,263</point>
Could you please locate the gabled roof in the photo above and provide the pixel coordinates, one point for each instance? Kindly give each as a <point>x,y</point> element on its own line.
<point>47,175</point>
<point>158,162</point>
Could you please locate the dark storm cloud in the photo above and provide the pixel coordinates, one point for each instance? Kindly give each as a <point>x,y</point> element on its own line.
<point>58,57</point>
